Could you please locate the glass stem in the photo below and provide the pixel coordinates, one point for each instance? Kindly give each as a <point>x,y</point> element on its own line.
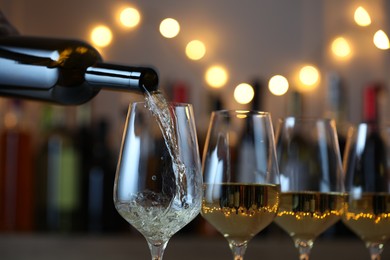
<point>157,249</point>
<point>304,247</point>
<point>303,256</point>
<point>238,250</point>
<point>375,250</point>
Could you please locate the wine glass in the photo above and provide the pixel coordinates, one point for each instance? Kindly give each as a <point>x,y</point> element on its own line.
<point>311,177</point>
<point>158,183</point>
<point>240,176</point>
<point>367,180</point>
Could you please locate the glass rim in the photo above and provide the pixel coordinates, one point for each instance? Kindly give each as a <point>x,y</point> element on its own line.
<point>228,112</point>
<point>306,119</point>
<point>171,103</point>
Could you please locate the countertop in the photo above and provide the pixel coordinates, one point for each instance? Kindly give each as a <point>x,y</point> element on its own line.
<point>123,247</point>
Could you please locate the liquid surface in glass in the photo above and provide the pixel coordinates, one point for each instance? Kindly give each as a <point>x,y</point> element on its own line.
<point>369,216</point>
<point>240,211</point>
<point>305,215</point>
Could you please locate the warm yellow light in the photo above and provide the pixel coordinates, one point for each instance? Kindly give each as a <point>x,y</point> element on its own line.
<point>216,76</point>
<point>130,17</point>
<point>169,28</point>
<point>341,47</point>
<point>361,16</point>
<point>278,85</point>
<point>195,50</point>
<point>244,93</point>
<point>381,40</point>
<point>309,76</point>
<point>101,36</point>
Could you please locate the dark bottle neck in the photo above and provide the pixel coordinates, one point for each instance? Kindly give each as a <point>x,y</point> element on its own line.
<point>123,78</point>
<point>67,72</point>
<point>258,98</point>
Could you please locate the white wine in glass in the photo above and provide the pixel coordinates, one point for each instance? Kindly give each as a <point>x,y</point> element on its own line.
<point>158,183</point>
<point>367,175</point>
<point>313,196</point>
<point>241,178</point>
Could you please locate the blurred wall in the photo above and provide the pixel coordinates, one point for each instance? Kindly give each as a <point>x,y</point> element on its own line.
<point>252,39</point>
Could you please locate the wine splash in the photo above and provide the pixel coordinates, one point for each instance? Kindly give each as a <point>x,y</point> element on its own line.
<point>165,117</point>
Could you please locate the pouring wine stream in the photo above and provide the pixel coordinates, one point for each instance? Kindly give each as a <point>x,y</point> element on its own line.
<point>165,117</point>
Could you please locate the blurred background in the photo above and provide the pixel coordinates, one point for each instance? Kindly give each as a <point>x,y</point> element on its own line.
<point>250,41</point>
<point>302,57</point>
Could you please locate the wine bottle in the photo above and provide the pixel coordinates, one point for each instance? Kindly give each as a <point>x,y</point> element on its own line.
<point>370,104</point>
<point>372,157</point>
<point>97,164</point>
<point>59,198</point>
<point>64,71</point>
<point>258,98</point>
<point>295,104</point>
<point>16,174</point>
<point>336,107</point>
<point>180,92</point>
<point>101,177</point>
<point>84,139</point>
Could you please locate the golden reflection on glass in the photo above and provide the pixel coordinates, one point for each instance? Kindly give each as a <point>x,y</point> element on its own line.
<point>195,50</point>
<point>216,76</point>
<point>242,115</point>
<point>250,206</point>
<point>310,212</point>
<point>370,221</point>
<point>362,17</point>
<point>169,28</point>
<point>341,47</point>
<point>243,93</point>
<point>101,36</point>
<point>130,17</point>
<point>278,85</point>
<point>381,40</point>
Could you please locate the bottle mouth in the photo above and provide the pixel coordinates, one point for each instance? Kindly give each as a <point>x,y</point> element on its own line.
<point>149,80</point>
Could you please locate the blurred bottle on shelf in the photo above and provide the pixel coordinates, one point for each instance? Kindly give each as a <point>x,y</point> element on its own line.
<point>101,183</point>
<point>16,171</point>
<point>180,92</point>
<point>58,174</point>
<point>84,143</point>
<point>375,146</point>
<point>213,101</point>
<point>375,104</point>
<point>336,106</point>
<point>258,98</point>
<point>295,104</point>
<point>98,173</point>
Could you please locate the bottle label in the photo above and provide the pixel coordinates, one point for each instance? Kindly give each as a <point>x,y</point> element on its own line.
<point>68,180</point>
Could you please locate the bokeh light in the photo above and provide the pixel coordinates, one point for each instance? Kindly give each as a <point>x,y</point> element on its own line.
<point>341,47</point>
<point>361,16</point>
<point>381,40</point>
<point>130,17</point>
<point>195,50</point>
<point>169,28</point>
<point>244,93</point>
<point>101,36</point>
<point>278,85</point>
<point>216,76</point>
<point>309,77</point>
